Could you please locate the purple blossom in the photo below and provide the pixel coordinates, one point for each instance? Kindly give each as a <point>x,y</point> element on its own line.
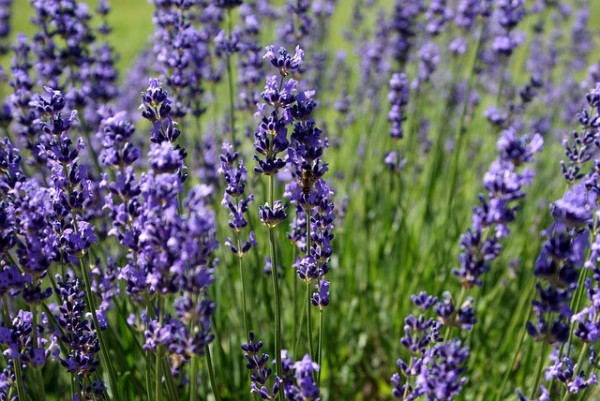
<point>398,98</point>
<point>284,61</point>
<point>260,377</point>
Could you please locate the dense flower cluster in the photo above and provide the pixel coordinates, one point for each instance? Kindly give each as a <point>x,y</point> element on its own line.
<point>503,182</point>
<point>562,262</point>
<point>298,382</point>
<point>435,365</point>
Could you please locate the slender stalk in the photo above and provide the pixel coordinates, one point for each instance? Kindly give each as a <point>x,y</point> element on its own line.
<point>230,82</point>
<point>242,279</point>
<point>171,389</point>
<point>72,388</point>
<point>279,369</point>
<point>308,303</point>
<point>295,300</point>
<point>194,379</point>
<point>538,374</point>
<point>320,348</point>
<point>148,376</point>
<point>211,374</point>
<point>512,363</point>
<point>299,333</point>
<point>311,350</point>
<point>193,363</point>
<point>34,335</point>
<point>461,124</point>
<point>103,350</point>
<point>159,356</point>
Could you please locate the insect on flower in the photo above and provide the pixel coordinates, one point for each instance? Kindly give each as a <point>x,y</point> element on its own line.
<point>307,179</point>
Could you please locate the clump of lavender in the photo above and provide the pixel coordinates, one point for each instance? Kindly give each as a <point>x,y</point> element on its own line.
<point>103,73</point>
<point>433,357</point>
<point>438,14</point>
<point>404,25</point>
<point>508,14</point>
<point>562,262</point>
<point>176,43</point>
<point>24,115</point>
<point>312,198</point>
<point>503,183</point>
<point>270,141</point>
<point>299,23</point>
<point>435,367</point>
<point>169,235</point>
<point>250,66</point>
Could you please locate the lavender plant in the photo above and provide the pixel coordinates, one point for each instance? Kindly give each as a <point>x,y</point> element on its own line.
<point>137,138</point>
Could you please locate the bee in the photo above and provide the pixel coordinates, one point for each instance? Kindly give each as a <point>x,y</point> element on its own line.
<point>306,179</point>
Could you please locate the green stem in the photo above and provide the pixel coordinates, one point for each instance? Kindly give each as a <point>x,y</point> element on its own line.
<point>103,350</point>
<point>230,83</point>
<point>158,375</point>
<point>211,374</point>
<point>538,374</point>
<point>309,321</point>
<point>277,356</point>
<point>193,363</point>
<point>512,363</point>
<point>461,124</point>
<point>34,335</point>
<point>149,375</point>
<point>194,379</point>
<point>299,333</point>
<point>242,279</point>
<point>308,303</point>
<point>169,380</point>
<point>320,348</point>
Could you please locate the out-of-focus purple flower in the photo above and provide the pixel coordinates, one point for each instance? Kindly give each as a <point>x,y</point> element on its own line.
<point>284,61</point>
<point>438,13</point>
<point>5,6</point>
<point>394,162</point>
<point>299,378</point>
<point>503,183</point>
<point>429,58</point>
<point>398,98</point>
<point>227,3</point>
<point>404,24</point>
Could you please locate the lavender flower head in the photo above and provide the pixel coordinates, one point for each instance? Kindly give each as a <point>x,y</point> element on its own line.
<point>398,98</point>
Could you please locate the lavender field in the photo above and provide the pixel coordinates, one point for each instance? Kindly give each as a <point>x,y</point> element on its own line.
<point>299,200</point>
